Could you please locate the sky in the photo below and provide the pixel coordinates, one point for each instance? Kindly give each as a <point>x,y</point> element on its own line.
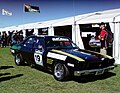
<point>50,10</point>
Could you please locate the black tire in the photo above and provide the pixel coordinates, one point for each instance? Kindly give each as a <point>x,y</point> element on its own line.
<point>61,72</point>
<point>18,60</point>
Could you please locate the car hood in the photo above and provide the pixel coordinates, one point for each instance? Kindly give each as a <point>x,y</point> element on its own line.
<point>81,55</point>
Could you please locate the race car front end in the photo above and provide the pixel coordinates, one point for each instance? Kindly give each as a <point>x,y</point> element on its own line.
<point>81,62</point>
<point>96,68</point>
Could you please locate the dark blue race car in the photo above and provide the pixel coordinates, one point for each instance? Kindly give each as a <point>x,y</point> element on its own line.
<point>61,56</point>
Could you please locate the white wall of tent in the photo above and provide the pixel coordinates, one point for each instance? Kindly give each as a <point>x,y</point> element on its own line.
<point>108,16</point>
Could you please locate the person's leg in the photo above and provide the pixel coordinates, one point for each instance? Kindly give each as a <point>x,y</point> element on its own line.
<point>103,51</point>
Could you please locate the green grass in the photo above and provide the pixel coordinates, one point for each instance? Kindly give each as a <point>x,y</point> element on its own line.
<point>24,79</point>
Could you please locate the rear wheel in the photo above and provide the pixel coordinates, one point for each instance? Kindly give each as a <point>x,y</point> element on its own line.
<point>18,60</point>
<point>61,72</point>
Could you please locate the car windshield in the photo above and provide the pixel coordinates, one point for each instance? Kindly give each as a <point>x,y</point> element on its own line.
<point>60,43</point>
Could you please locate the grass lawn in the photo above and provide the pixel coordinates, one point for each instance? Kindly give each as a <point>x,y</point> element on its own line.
<point>24,79</point>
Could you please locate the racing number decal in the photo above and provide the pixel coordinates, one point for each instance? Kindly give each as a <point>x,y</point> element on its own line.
<point>38,59</point>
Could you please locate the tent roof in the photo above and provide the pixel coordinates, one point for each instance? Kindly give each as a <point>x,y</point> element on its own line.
<point>95,17</point>
<point>101,16</point>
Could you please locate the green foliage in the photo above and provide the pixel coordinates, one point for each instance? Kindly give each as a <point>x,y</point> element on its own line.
<point>24,79</point>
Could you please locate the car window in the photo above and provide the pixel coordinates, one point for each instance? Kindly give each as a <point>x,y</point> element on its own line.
<point>39,43</point>
<point>60,43</point>
<point>36,44</point>
<point>29,42</point>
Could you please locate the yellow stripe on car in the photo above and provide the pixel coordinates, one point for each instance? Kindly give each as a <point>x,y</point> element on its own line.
<point>101,54</point>
<point>67,54</point>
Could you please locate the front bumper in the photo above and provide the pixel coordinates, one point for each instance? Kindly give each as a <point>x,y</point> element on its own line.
<point>93,71</point>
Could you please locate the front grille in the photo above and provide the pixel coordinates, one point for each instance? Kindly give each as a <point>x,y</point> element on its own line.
<point>96,65</point>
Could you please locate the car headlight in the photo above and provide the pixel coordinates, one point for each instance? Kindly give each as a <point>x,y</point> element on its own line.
<point>12,51</point>
<point>102,59</point>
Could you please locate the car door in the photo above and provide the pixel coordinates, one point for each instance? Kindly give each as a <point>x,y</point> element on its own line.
<point>27,49</point>
<point>39,51</point>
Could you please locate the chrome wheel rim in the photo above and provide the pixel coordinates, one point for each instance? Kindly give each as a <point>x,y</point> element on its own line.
<point>17,59</point>
<point>59,71</point>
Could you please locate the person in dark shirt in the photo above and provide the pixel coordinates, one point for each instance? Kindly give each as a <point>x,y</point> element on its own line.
<point>4,39</point>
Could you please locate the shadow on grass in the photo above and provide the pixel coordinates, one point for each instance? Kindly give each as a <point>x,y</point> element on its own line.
<point>5,67</point>
<point>3,74</point>
<point>91,78</point>
<point>10,77</point>
<point>4,77</point>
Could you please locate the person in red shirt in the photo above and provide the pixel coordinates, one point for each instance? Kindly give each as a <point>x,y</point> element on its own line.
<point>103,36</point>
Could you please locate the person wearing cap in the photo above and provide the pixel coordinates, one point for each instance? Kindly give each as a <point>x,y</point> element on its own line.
<point>103,36</point>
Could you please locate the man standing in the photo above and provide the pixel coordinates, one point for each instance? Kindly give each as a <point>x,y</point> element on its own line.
<point>4,39</point>
<point>103,37</point>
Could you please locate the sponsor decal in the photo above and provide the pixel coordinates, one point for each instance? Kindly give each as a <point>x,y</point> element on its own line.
<point>56,56</point>
<point>70,55</point>
<point>49,61</point>
<point>71,65</point>
<point>38,58</point>
<point>60,39</point>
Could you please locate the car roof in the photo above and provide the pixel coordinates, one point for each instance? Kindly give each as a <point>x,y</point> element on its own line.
<point>46,36</point>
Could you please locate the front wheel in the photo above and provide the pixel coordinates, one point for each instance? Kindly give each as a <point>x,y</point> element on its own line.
<point>61,72</point>
<point>18,60</point>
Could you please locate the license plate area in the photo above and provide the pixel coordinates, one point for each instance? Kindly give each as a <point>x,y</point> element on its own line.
<point>99,72</point>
